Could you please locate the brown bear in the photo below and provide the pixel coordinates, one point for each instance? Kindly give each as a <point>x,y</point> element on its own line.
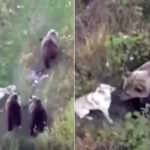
<point>49,48</point>
<point>137,84</point>
<point>13,112</point>
<point>38,115</point>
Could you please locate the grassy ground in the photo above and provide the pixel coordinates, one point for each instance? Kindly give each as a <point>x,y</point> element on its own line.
<point>22,25</point>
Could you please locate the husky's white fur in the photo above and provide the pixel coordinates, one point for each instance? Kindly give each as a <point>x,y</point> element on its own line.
<point>100,99</point>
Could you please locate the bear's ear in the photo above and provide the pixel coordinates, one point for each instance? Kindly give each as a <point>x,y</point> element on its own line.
<point>127,73</point>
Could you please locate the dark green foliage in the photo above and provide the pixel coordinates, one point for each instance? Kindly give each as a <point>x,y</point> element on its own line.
<point>126,53</point>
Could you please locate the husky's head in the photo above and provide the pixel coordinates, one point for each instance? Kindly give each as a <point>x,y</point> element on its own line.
<point>136,85</point>
<point>105,89</point>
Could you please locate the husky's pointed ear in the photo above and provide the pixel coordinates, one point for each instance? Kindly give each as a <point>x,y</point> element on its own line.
<point>98,89</point>
<point>113,89</point>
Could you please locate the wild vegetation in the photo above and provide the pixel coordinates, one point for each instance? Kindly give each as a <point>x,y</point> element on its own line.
<point>112,37</point>
<point>23,24</point>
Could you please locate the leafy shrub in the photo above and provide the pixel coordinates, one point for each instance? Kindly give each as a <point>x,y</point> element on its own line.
<point>126,53</point>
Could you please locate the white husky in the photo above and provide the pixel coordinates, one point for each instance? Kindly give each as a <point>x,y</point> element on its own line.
<point>100,99</point>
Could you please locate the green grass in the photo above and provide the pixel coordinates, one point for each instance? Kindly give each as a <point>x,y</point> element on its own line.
<point>22,29</point>
<point>22,25</point>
